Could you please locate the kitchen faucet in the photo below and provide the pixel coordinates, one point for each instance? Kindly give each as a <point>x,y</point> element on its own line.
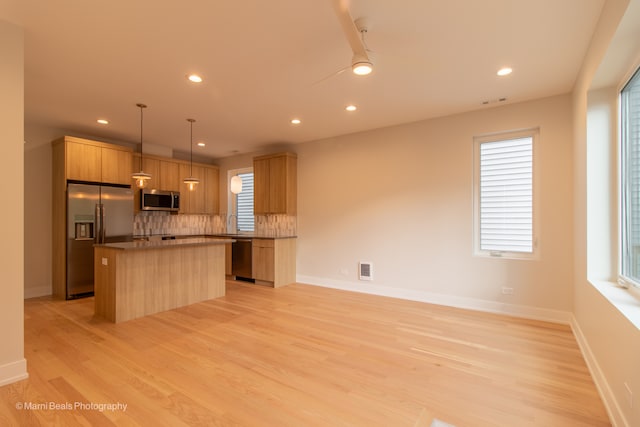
<point>232,226</point>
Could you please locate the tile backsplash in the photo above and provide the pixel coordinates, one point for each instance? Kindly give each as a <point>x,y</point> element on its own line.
<point>158,222</point>
<point>276,225</point>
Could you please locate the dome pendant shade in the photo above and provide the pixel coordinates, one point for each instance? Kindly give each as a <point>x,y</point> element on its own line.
<point>236,184</point>
<point>191,181</point>
<point>141,178</point>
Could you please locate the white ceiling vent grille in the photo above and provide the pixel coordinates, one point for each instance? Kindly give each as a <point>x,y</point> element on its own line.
<point>366,270</point>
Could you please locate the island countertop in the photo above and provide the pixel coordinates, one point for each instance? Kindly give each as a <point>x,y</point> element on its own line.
<point>250,235</point>
<point>172,243</point>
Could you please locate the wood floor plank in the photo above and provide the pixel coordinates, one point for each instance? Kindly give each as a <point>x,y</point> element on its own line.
<point>300,355</point>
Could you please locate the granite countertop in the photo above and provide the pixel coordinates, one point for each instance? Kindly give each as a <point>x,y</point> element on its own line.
<point>248,236</point>
<point>158,244</point>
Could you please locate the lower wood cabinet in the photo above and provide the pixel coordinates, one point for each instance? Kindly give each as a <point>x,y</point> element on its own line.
<point>274,261</point>
<point>263,258</point>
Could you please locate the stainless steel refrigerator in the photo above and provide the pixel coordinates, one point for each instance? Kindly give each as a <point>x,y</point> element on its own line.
<point>95,214</point>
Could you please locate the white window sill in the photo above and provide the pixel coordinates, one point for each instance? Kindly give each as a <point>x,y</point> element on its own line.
<point>627,301</point>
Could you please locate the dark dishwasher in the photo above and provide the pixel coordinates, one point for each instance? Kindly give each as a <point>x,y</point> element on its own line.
<point>241,259</point>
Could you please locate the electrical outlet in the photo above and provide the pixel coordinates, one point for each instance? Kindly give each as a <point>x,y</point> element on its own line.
<point>105,261</point>
<point>507,291</point>
<point>629,395</point>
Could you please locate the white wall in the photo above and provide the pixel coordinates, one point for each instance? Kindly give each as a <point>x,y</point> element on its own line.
<point>37,216</point>
<point>609,339</point>
<point>402,198</point>
<point>13,366</point>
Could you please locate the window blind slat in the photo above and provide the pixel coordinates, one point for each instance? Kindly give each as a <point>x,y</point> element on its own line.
<point>506,195</point>
<point>244,203</point>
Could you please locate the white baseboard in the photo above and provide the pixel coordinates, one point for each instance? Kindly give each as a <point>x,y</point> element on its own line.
<point>13,372</point>
<point>40,291</point>
<point>548,315</point>
<point>613,408</point>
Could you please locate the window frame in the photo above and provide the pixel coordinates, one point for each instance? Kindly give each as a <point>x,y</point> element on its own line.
<point>624,280</point>
<point>232,200</point>
<point>534,134</point>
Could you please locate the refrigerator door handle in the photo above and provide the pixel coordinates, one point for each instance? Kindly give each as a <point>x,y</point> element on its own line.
<point>104,224</point>
<point>100,232</point>
<point>98,226</point>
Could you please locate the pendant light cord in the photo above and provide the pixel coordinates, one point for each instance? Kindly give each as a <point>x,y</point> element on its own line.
<point>142,107</point>
<point>191,145</point>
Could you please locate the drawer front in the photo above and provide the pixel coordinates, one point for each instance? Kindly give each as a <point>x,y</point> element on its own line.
<point>263,243</point>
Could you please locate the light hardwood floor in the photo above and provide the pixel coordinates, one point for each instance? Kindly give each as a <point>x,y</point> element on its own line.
<point>299,356</point>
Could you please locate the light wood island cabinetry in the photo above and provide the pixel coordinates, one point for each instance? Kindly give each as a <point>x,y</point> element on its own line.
<point>135,279</point>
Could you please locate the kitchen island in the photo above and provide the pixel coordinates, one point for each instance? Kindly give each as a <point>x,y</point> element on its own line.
<point>135,279</point>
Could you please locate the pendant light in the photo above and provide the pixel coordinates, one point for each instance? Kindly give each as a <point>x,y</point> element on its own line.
<point>191,181</point>
<point>141,178</point>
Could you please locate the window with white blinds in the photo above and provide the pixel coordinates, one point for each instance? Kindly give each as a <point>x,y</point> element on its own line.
<point>244,203</point>
<point>630,180</point>
<point>505,195</point>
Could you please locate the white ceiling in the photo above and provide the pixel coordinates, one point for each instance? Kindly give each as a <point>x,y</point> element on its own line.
<point>265,62</point>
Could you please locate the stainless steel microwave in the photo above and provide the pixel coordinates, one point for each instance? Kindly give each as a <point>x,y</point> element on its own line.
<point>158,200</point>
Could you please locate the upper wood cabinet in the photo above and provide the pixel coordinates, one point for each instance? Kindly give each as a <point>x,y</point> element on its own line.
<point>275,184</point>
<point>92,161</point>
<point>83,162</point>
<point>211,195</point>
<point>169,174</point>
<point>116,166</point>
<point>170,179</point>
<point>192,202</point>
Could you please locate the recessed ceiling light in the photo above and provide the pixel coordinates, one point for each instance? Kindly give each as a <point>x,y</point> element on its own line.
<point>201,144</point>
<point>351,107</point>
<point>194,78</point>
<point>295,121</point>
<point>504,71</point>
<point>103,121</point>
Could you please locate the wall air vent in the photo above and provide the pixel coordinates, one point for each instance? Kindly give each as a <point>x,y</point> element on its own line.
<point>366,271</point>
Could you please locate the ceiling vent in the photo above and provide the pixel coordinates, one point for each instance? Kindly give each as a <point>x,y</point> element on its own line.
<point>366,270</point>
